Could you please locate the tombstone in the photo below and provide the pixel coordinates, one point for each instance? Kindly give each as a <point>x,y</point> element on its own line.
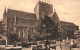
<point>71,42</point>
<point>58,48</point>
<point>51,49</point>
<point>67,41</point>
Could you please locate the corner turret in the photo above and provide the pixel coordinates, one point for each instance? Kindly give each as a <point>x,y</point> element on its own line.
<point>4,12</point>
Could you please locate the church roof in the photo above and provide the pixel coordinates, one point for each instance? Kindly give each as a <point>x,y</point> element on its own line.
<point>21,14</point>
<point>27,22</point>
<point>67,23</point>
<point>55,18</point>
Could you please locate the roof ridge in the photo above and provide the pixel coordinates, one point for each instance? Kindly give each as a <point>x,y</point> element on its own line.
<point>21,14</point>
<point>19,11</point>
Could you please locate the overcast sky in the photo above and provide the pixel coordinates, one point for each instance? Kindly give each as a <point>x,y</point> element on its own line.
<point>67,10</point>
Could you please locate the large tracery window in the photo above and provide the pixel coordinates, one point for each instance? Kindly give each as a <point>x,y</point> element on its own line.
<point>21,34</point>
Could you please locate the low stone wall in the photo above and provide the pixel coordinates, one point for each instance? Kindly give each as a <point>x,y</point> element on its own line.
<point>75,48</point>
<point>10,47</point>
<point>2,48</point>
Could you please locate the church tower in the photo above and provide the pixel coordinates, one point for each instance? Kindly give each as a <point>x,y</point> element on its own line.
<point>42,9</point>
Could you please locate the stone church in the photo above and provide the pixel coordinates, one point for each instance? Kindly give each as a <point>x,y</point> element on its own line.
<point>25,23</point>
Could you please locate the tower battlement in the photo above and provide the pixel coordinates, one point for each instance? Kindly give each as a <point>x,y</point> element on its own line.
<point>42,9</point>
<point>45,3</point>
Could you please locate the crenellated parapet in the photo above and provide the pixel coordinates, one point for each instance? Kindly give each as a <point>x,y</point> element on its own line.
<point>45,4</point>
<point>45,9</point>
<point>42,8</point>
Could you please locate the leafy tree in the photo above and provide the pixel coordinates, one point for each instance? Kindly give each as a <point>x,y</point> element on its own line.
<point>12,37</point>
<point>48,26</point>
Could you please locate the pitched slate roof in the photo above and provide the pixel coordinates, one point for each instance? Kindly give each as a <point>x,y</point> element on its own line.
<point>21,14</point>
<point>55,18</point>
<point>67,23</point>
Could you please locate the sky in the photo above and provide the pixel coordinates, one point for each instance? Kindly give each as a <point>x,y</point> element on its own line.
<point>67,10</point>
